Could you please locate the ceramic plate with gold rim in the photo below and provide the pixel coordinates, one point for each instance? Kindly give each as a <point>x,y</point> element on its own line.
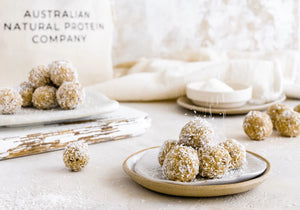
<point>209,188</point>
<point>188,104</point>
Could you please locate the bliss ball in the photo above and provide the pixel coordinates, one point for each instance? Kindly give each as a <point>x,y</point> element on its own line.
<point>39,76</point>
<point>10,101</point>
<point>26,91</point>
<point>236,151</point>
<point>164,149</point>
<point>257,125</point>
<point>62,71</point>
<point>76,156</point>
<point>181,164</point>
<point>213,161</point>
<point>44,97</point>
<point>297,108</point>
<point>275,110</point>
<point>288,123</point>
<point>196,133</point>
<point>70,95</point>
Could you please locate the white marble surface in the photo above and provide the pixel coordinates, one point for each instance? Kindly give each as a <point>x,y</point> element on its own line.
<point>42,181</point>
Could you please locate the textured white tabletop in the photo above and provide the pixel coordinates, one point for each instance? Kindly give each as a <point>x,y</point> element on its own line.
<point>42,181</point>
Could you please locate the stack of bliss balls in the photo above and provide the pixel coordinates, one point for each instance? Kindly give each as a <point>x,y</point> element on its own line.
<point>47,87</point>
<point>197,154</point>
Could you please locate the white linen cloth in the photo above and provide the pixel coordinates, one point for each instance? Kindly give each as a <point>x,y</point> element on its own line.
<point>160,79</point>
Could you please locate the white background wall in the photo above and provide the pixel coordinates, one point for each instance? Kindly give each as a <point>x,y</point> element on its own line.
<point>177,28</point>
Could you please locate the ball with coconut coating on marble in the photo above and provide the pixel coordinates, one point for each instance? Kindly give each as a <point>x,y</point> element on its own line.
<point>10,101</point>
<point>275,110</point>
<point>288,123</point>
<point>257,125</point>
<point>76,156</point>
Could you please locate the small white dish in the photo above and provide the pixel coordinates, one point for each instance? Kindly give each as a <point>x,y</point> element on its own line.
<point>218,99</point>
<point>292,90</point>
<point>95,103</point>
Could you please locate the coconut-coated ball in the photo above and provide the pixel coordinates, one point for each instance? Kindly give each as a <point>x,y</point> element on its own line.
<point>297,108</point>
<point>196,133</point>
<point>76,156</point>
<point>44,97</point>
<point>164,149</point>
<point>257,125</point>
<point>62,71</point>
<point>213,161</point>
<point>10,101</point>
<point>237,152</point>
<point>26,91</point>
<point>70,95</point>
<point>275,110</point>
<point>39,76</point>
<point>288,123</point>
<point>181,164</point>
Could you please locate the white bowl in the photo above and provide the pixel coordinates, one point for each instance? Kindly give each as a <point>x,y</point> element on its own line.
<point>237,98</point>
<point>292,90</point>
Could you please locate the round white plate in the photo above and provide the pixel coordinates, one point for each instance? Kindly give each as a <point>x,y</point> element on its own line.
<point>95,103</point>
<point>188,104</point>
<point>147,166</point>
<point>194,189</point>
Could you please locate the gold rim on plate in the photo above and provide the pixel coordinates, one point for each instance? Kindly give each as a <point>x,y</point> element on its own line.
<point>195,190</point>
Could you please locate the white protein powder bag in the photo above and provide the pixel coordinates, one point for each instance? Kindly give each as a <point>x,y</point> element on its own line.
<point>36,32</point>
